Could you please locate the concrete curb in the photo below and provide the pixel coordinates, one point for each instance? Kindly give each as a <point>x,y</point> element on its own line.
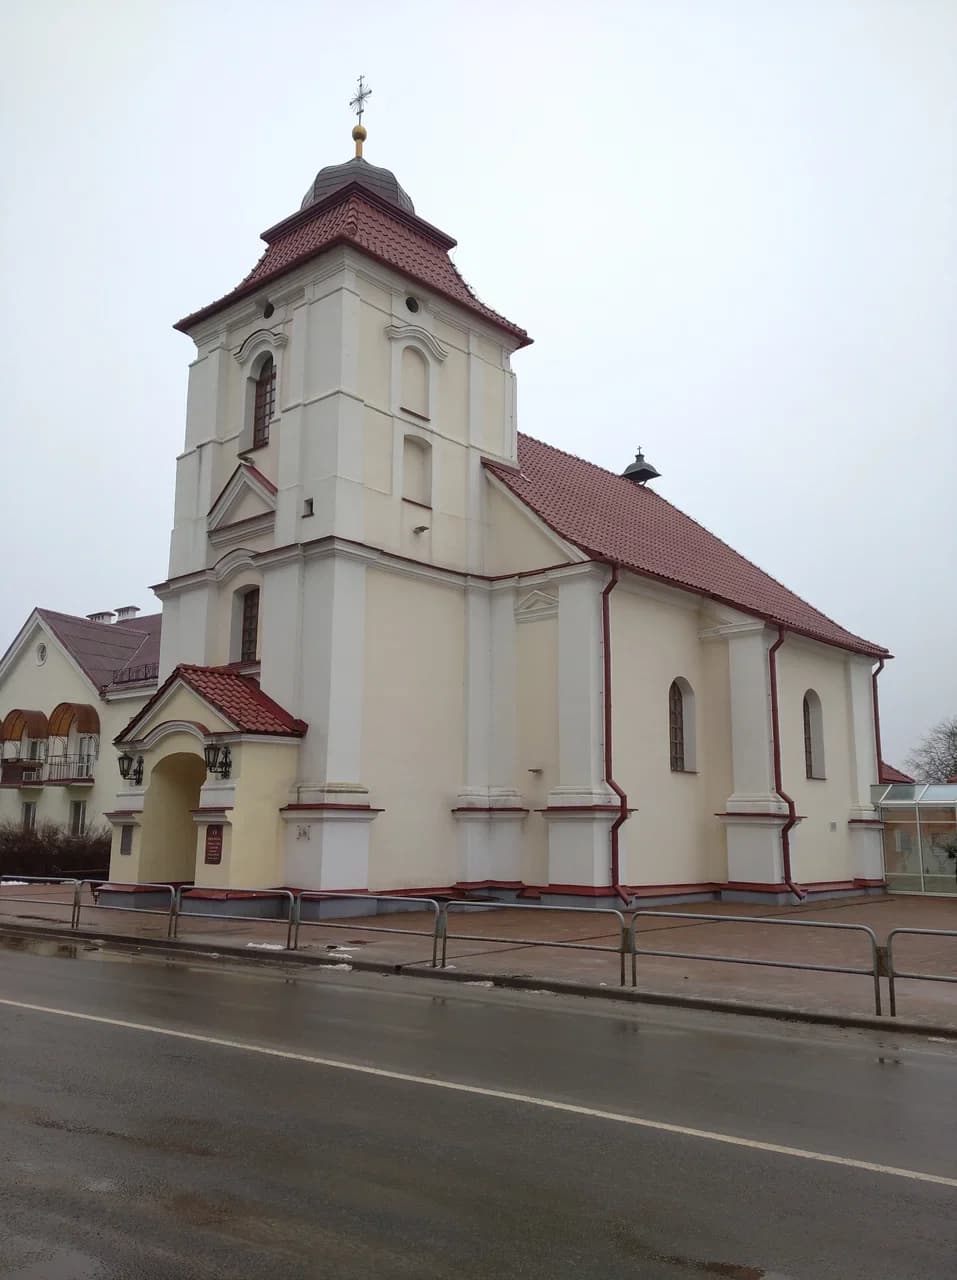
<point>517,982</point>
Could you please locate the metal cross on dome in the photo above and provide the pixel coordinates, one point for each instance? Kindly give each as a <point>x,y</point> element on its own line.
<point>358,103</point>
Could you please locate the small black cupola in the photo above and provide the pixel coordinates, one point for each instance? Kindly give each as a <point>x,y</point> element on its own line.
<point>640,471</point>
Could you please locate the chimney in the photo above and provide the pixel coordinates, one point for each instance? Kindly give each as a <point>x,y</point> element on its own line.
<point>127,612</point>
<point>106,617</point>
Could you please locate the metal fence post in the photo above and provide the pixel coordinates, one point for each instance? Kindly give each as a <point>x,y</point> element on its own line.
<point>892,989</point>
<point>174,906</point>
<point>75,914</point>
<point>442,933</point>
<point>290,945</point>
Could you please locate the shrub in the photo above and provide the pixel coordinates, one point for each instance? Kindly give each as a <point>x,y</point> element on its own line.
<point>51,850</point>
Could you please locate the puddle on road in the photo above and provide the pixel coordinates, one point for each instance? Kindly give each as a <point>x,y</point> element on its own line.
<point>631,1244</point>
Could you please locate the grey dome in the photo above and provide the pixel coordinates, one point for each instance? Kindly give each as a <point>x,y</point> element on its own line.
<point>335,176</point>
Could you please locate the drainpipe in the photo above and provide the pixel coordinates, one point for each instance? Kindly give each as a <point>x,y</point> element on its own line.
<point>609,774</point>
<point>786,830</point>
<point>877,716</point>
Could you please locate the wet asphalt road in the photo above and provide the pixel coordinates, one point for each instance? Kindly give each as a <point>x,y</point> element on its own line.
<point>137,1154</point>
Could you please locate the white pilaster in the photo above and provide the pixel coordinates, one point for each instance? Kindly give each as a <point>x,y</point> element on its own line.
<point>582,807</point>
<point>755,812</point>
<point>863,820</point>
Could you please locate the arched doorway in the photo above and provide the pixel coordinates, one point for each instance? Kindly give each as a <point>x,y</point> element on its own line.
<point>168,852</point>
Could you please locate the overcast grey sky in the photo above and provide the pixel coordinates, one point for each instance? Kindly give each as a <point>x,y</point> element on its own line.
<point>728,224</point>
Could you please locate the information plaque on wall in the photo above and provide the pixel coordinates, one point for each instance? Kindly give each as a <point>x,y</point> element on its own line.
<point>214,843</point>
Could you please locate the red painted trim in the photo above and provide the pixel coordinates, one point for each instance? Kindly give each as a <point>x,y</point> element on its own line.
<point>755,886</point>
<point>672,890</point>
<point>870,884</point>
<point>778,782</point>
<point>488,884</point>
<point>117,887</point>
<point>819,885</point>
<point>580,808</point>
<point>726,814</point>
<point>227,895</point>
<point>579,890</point>
<point>312,808</point>
<point>489,808</point>
<point>210,810</point>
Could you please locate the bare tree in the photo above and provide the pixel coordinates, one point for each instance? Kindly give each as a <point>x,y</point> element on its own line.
<point>935,759</point>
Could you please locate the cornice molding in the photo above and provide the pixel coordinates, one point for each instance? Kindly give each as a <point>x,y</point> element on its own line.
<point>414,333</point>
<point>257,341</point>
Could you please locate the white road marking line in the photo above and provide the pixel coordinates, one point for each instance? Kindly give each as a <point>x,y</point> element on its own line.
<point>504,1095</point>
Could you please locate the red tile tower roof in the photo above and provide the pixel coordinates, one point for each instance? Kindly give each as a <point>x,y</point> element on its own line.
<point>616,520</point>
<point>356,216</point>
<point>236,697</point>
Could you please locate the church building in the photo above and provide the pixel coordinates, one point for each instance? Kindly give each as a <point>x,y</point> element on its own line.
<point>406,648</point>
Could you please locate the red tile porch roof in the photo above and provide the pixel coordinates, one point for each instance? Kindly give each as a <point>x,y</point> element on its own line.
<point>356,216</point>
<point>236,697</point>
<point>616,520</point>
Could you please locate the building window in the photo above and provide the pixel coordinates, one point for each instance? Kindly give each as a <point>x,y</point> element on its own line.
<point>126,841</point>
<point>415,373</point>
<point>264,404</point>
<point>681,726</point>
<point>417,471</point>
<point>813,736</point>
<point>676,720</point>
<point>77,817</point>
<point>29,816</point>
<point>249,635</point>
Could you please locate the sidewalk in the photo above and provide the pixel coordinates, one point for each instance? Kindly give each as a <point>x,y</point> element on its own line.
<point>498,948</point>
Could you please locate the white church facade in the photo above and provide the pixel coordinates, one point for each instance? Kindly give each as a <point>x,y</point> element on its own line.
<point>406,648</point>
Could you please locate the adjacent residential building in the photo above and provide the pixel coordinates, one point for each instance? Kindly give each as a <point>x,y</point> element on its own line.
<point>67,686</point>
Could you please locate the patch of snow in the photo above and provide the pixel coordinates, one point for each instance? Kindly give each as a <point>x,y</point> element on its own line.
<point>477,983</point>
<point>6,883</point>
<point>449,966</point>
<point>347,967</point>
<point>266,946</point>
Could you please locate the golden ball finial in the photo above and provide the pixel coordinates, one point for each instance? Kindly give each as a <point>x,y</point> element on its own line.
<point>359,136</point>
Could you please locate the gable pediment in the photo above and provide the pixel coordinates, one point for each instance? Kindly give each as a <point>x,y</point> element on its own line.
<point>536,605</point>
<point>246,504</point>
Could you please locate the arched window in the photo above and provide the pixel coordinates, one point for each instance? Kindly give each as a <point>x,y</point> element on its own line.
<point>414,397</point>
<point>417,471</point>
<point>264,403</point>
<point>813,736</point>
<point>681,726</point>
<point>249,626</point>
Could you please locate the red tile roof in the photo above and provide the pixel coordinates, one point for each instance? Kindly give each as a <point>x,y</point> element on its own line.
<point>613,519</point>
<point>353,215</point>
<point>890,774</point>
<point>237,698</point>
<point>101,648</point>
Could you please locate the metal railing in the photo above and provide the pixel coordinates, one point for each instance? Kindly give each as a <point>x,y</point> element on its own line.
<point>874,971</point>
<point>64,768</point>
<point>14,881</point>
<point>176,908</point>
<point>893,973</point>
<point>319,896</point>
<point>96,885</point>
<point>130,675</point>
<point>620,950</point>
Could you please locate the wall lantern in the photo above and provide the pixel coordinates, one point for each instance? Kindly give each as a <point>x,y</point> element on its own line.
<point>218,759</point>
<point>131,769</point>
